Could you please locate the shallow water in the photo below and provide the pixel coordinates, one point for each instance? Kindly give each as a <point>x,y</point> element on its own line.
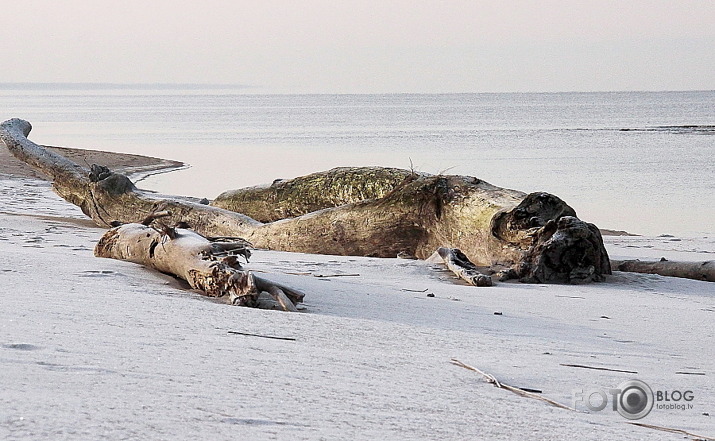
<point>637,161</point>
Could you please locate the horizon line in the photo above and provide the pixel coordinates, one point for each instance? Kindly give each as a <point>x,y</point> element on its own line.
<point>10,85</point>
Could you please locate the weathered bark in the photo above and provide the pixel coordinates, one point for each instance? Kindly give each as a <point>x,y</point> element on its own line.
<point>404,213</point>
<point>211,268</point>
<point>296,197</point>
<point>688,270</point>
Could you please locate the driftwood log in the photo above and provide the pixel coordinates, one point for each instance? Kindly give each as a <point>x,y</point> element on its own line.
<point>208,266</point>
<point>373,212</point>
<point>704,270</point>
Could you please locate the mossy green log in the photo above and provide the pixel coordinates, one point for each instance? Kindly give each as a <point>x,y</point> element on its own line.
<point>295,197</point>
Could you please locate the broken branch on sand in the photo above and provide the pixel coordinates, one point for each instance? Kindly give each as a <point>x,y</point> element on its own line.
<point>583,366</point>
<point>462,267</point>
<point>703,270</point>
<point>519,391</point>
<point>248,334</point>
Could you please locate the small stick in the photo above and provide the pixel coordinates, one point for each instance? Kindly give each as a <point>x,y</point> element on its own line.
<point>690,373</point>
<point>285,303</point>
<point>598,368</point>
<point>316,275</point>
<point>528,389</point>
<point>668,429</point>
<point>415,290</point>
<point>492,379</point>
<point>294,295</point>
<point>262,336</point>
<point>233,239</point>
<point>155,215</point>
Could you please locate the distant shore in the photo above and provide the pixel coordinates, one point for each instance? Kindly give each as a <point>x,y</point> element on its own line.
<point>119,162</point>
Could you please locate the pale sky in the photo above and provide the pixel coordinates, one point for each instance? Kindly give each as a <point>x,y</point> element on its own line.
<point>361,46</point>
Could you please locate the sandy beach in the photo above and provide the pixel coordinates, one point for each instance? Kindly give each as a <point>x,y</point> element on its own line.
<point>101,349</point>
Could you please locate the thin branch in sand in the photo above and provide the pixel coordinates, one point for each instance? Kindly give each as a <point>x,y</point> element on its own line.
<point>262,336</point>
<point>668,429</point>
<point>322,276</point>
<point>582,366</point>
<point>524,393</point>
<point>414,290</point>
<point>154,216</point>
<point>690,373</point>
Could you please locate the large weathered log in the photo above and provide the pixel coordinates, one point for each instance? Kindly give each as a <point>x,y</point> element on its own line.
<point>415,214</point>
<point>404,213</point>
<point>689,270</point>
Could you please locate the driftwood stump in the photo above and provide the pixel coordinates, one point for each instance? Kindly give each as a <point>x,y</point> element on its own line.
<point>361,211</point>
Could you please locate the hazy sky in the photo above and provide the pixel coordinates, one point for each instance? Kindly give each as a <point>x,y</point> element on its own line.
<point>365,45</point>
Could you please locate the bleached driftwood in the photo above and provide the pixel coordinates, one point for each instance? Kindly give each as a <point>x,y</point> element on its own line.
<point>403,213</point>
<point>462,267</point>
<point>210,267</point>
<point>704,270</point>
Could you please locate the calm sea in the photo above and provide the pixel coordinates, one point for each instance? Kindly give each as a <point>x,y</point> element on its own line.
<point>637,161</point>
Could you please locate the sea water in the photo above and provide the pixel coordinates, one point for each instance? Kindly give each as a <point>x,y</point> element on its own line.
<point>636,161</point>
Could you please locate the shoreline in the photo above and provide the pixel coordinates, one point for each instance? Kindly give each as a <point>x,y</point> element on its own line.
<point>140,167</point>
<point>136,167</point>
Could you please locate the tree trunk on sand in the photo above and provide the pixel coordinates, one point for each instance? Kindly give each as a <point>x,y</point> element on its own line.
<point>404,213</point>
<point>211,267</point>
<point>389,211</point>
<point>689,270</point>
